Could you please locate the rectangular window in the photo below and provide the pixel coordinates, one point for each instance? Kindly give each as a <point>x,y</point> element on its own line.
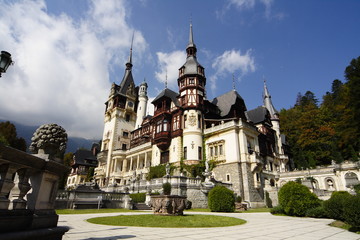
<point>216,150</point>
<point>185,152</point>
<point>221,150</point>
<point>158,127</point>
<point>200,153</point>
<point>211,151</point>
<point>191,81</point>
<point>228,177</point>
<point>126,134</point>
<point>164,157</point>
<point>123,147</point>
<point>127,117</point>
<point>199,121</point>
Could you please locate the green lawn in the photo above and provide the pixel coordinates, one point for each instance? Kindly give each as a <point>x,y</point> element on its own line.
<point>85,211</point>
<point>251,210</point>
<point>340,224</point>
<point>151,220</point>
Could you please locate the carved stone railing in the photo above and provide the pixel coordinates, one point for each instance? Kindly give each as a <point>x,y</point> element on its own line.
<point>28,186</point>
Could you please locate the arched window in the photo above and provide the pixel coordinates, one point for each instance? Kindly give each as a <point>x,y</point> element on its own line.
<point>351,179</point>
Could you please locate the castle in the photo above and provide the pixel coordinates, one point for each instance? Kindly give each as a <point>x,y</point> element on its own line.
<point>187,128</point>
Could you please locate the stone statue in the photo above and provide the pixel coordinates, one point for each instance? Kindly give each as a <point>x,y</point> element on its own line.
<point>167,169</point>
<point>50,140</point>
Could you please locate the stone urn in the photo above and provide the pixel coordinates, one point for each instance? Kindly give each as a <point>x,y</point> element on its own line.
<point>170,205</point>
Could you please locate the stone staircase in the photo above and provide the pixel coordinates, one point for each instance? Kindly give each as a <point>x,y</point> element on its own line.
<point>141,206</point>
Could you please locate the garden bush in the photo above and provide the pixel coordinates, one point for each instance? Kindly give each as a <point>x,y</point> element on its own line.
<point>138,197</point>
<point>166,188</point>
<point>296,199</point>
<point>221,199</point>
<point>351,211</point>
<point>318,212</point>
<point>334,207</point>
<point>277,210</point>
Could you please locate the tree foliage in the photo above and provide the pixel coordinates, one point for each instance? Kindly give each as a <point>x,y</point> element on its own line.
<point>319,133</point>
<point>8,136</point>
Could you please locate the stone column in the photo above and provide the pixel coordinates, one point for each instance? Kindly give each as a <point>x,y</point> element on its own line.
<point>6,183</point>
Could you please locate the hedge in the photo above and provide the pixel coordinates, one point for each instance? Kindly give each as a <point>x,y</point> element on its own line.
<point>221,199</point>
<point>334,207</point>
<point>138,197</point>
<point>296,199</point>
<point>351,211</point>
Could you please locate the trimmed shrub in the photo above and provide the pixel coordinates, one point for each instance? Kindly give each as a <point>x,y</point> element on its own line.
<point>238,199</point>
<point>357,188</point>
<point>318,212</point>
<point>277,210</point>
<point>166,188</point>
<point>334,207</point>
<point>296,199</point>
<point>138,197</point>
<point>351,213</point>
<point>221,199</point>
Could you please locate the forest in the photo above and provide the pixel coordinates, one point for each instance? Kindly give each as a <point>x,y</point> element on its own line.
<point>321,132</point>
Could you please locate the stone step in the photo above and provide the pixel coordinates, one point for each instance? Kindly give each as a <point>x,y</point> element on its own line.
<point>141,206</point>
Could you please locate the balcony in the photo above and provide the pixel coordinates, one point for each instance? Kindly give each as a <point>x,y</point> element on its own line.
<point>162,140</point>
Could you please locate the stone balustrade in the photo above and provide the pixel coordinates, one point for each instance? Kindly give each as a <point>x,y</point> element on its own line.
<point>28,187</point>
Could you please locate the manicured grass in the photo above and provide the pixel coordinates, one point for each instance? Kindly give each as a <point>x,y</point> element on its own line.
<point>340,224</point>
<point>86,211</point>
<point>251,210</point>
<point>151,220</point>
<point>198,210</point>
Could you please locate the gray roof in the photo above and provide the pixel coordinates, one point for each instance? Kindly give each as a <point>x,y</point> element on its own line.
<point>81,155</point>
<point>126,81</point>
<point>226,101</point>
<point>257,115</point>
<point>168,93</point>
<point>268,103</point>
<point>191,65</point>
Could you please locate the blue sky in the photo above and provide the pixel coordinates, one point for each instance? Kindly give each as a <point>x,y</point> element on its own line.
<point>68,52</point>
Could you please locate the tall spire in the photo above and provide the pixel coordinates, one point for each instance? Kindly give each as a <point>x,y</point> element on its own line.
<point>129,62</point>
<point>268,103</point>
<point>191,47</point>
<point>233,79</point>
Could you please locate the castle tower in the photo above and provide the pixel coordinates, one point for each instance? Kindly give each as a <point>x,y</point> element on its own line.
<point>274,114</point>
<point>191,84</point>
<point>141,109</point>
<point>120,117</point>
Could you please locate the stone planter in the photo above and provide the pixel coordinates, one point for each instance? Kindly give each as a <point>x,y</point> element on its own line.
<point>171,205</point>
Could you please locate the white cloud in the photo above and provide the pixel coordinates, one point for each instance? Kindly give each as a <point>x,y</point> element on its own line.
<point>169,64</point>
<point>250,4</point>
<point>61,65</point>
<point>241,4</point>
<point>231,62</point>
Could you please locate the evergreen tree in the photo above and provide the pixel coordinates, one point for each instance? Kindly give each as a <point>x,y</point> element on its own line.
<point>8,136</point>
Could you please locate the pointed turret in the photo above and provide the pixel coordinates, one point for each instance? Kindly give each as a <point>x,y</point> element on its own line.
<point>128,80</point>
<point>268,103</point>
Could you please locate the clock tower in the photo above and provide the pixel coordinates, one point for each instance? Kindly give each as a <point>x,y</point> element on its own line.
<point>191,84</point>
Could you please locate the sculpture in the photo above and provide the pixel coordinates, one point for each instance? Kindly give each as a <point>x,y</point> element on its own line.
<point>49,139</point>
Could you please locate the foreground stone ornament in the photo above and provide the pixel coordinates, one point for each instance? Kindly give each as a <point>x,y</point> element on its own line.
<point>168,204</point>
<point>50,140</point>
